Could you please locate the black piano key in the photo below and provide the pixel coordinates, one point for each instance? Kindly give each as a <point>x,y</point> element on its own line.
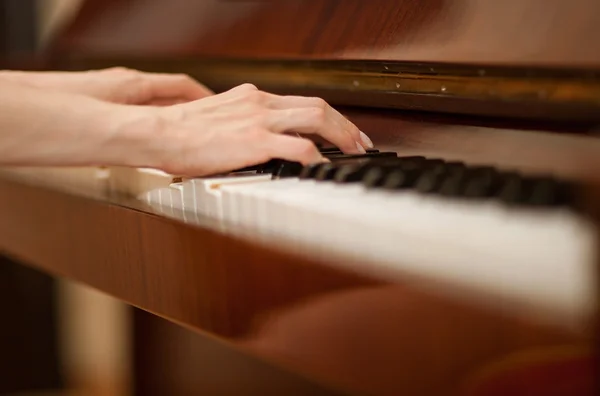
<point>515,189</point>
<point>326,172</point>
<point>338,157</point>
<point>544,192</point>
<point>336,164</point>
<point>271,166</point>
<point>453,185</point>
<point>402,178</point>
<point>350,173</point>
<point>355,171</point>
<point>481,182</point>
<point>568,194</point>
<point>548,191</point>
<point>334,150</point>
<point>416,159</point>
<point>310,171</point>
<point>287,169</point>
<point>436,173</point>
<point>376,176</point>
<point>430,181</point>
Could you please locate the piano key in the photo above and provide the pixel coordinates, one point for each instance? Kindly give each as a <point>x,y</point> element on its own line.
<point>431,180</point>
<point>137,181</point>
<point>376,208</point>
<point>482,182</point>
<point>310,171</point>
<point>334,150</point>
<point>207,191</point>
<point>402,178</point>
<point>355,170</point>
<point>515,188</point>
<point>371,223</point>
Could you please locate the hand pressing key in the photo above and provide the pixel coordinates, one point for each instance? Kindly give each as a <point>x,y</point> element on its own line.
<point>213,134</point>
<point>245,126</point>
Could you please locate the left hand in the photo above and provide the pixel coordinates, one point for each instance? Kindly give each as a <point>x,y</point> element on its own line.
<point>119,85</point>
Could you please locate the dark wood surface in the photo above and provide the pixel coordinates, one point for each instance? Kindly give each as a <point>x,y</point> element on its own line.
<point>30,359</point>
<point>512,32</point>
<point>171,360</point>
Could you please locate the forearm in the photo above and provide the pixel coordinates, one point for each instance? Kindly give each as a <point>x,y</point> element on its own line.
<point>38,79</point>
<point>40,127</point>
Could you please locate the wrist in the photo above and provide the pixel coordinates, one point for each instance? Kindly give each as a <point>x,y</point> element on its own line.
<point>135,133</point>
<point>29,79</point>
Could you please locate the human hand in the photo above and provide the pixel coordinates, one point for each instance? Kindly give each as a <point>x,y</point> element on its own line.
<point>238,128</point>
<point>118,85</point>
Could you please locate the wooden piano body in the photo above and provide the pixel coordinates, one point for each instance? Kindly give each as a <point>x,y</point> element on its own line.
<point>511,84</point>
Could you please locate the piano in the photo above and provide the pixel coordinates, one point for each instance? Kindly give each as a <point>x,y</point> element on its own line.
<point>459,256</point>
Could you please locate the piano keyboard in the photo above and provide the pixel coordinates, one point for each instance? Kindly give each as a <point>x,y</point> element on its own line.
<point>476,227</point>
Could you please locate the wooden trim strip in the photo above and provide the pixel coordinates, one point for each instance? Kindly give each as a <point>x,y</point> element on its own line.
<point>572,95</point>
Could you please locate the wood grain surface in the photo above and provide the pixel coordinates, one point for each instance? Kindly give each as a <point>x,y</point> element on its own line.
<point>511,32</point>
<point>334,326</point>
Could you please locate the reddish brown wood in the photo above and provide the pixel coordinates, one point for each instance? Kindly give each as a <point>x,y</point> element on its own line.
<point>172,360</point>
<point>512,32</point>
<point>343,329</point>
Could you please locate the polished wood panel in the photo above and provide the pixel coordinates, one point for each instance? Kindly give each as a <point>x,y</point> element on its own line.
<point>559,95</point>
<point>340,328</point>
<point>512,32</point>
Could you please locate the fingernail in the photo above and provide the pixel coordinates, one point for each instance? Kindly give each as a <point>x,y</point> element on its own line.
<point>366,141</point>
<point>360,148</point>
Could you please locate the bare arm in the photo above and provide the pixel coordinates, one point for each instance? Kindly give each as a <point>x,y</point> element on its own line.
<point>44,127</point>
<point>117,85</point>
<point>217,133</point>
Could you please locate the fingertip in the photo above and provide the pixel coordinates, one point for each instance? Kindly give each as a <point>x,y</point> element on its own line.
<point>360,148</point>
<point>366,141</point>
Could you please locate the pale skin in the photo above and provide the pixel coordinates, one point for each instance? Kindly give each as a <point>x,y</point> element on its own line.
<point>121,117</point>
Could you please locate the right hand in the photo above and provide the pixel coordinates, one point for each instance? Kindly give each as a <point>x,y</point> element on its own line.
<point>243,127</point>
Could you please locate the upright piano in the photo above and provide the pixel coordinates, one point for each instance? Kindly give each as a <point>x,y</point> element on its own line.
<point>458,257</point>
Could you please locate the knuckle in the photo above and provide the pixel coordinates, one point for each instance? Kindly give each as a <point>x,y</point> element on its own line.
<point>247,87</point>
<point>174,114</point>
<point>306,148</point>
<point>317,115</point>
<point>255,133</point>
<point>121,70</point>
<point>253,96</point>
<point>183,77</point>
<point>319,103</point>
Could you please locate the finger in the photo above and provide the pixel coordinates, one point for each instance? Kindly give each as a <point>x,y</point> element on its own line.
<point>176,86</point>
<point>292,149</point>
<point>165,102</point>
<point>313,120</point>
<point>287,102</point>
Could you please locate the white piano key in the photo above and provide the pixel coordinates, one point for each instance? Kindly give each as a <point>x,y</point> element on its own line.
<point>207,191</point>
<point>539,257</point>
<point>137,181</point>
